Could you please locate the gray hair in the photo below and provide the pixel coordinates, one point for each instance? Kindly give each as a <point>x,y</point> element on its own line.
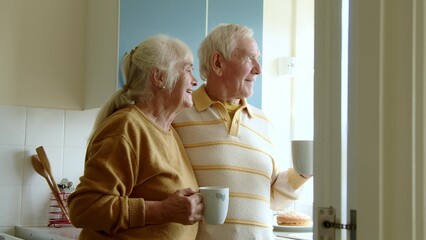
<point>157,52</point>
<point>222,38</point>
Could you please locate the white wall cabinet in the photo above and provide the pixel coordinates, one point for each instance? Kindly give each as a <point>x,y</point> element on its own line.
<point>58,54</point>
<point>102,30</point>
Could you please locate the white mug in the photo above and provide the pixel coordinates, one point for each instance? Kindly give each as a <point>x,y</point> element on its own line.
<point>302,153</point>
<point>216,200</point>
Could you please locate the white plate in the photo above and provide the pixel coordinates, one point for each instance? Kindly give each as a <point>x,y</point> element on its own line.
<point>301,236</point>
<point>282,228</point>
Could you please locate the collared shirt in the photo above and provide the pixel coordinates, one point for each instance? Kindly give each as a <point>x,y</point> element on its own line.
<point>237,152</point>
<point>202,101</point>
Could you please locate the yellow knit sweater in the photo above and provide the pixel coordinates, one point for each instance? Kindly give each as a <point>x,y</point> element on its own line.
<point>130,160</point>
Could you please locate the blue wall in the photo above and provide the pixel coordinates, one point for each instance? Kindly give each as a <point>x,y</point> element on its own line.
<point>186,20</point>
<point>183,19</point>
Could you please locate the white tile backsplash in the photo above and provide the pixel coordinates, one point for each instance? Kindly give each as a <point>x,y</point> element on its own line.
<point>12,165</point>
<point>45,127</point>
<point>10,205</point>
<point>73,168</point>
<point>63,134</point>
<point>35,205</point>
<point>12,125</point>
<point>77,127</point>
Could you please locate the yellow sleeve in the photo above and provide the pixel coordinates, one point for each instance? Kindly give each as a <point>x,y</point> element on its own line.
<point>101,199</point>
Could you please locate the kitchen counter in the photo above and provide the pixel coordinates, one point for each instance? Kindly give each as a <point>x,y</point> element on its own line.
<point>71,233</point>
<point>291,235</point>
<point>50,233</point>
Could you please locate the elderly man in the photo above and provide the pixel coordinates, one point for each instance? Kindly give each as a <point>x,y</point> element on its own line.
<point>228,141</point>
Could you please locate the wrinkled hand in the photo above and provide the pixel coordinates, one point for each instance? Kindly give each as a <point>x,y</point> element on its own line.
<point>184,206</point>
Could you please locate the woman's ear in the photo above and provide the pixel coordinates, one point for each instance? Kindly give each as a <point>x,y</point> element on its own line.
<point>216,63</point>
<point>157,78</point>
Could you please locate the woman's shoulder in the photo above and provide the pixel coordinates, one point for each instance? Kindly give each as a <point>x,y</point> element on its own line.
<point>121,121</point>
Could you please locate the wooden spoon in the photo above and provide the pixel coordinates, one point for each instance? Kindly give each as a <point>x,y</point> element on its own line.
<point>42,157</point>
<point>38,167</point>
<point>46,164</point>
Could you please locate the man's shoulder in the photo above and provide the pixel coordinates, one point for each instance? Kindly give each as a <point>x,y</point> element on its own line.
<point>188,114</point>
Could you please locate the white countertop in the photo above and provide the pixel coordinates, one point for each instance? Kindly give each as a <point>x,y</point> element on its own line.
<point>67,232</point>
<point>292,236</point>
<point>71,233</point>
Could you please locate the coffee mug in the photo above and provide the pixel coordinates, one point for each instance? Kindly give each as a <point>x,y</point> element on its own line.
<point>302,154</point>
<point>216,200</point>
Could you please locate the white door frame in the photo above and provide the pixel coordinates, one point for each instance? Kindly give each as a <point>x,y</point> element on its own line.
<point>327,108</point>
<point>386,129</point>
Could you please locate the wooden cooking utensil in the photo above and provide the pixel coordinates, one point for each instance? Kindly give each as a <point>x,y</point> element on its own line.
<point>46,164</point>
<point>41,170</point>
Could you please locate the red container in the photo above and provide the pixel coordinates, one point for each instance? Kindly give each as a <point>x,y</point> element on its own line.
<point>56,216</point>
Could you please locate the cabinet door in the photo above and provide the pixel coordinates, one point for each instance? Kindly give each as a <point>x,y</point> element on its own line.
<point>183,19</point>
<point>247,12</point>
<point>42,53</point>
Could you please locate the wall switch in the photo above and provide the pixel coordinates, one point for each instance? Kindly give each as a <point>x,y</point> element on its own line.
<point>286,65</point>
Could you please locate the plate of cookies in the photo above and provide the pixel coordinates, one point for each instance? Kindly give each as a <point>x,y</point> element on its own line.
<point>292,221</point>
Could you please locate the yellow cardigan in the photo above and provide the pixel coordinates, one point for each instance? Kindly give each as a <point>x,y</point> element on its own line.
<point>129,160</point>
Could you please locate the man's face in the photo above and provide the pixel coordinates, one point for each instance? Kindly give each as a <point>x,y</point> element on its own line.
<point>240,72</point>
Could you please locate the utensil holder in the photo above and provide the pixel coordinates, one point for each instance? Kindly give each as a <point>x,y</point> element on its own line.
<point>56,215</point>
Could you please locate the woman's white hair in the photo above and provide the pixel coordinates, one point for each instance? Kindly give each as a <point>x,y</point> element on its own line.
<point>157,52</point>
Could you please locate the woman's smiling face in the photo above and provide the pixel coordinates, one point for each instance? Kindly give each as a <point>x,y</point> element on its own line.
<point>182,92</point>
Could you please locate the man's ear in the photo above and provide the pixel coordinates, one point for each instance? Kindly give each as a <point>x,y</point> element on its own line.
<point>216,63</point>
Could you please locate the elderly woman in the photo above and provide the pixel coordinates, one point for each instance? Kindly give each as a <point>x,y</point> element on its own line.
<point>138,182</point>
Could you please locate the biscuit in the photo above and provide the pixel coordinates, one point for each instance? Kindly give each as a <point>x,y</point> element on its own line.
<point>293,218</point>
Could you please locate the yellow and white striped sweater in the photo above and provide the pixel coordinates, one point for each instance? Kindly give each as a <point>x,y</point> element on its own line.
<point>236,152</point>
